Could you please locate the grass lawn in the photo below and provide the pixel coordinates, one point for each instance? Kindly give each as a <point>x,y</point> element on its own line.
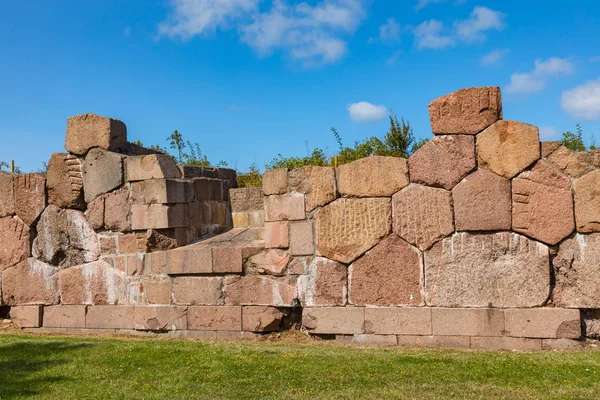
<point>55,367</point>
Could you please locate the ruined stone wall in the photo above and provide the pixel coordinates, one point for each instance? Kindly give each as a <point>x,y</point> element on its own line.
<point>484,238</point>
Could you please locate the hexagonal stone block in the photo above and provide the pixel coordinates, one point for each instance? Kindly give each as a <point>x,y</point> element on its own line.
<point>487,270</point>
<point>317,183</point>
<point>30,196</point>
<point>543,204</point>
<point>347,228</point>
<point>482,202</point>
<point>573,163</point>
<point>372,177</point>
<point>387,275</point>
<point>508,147</point>
<point>443,161</point>
<point>466,111</point>
<point>422,215</point>
<point>587,202</point>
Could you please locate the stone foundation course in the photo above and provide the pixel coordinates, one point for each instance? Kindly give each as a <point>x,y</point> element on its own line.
<point>484,238</point>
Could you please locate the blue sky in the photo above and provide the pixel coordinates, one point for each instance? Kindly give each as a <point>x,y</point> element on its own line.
<point>249,79</point>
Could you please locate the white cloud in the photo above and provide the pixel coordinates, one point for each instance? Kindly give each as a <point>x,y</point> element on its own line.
<point>481,19</point>
<point>583,101</point>
<point>537,79</point>
<point>493,57</point>
<point>424,3</point>
<point>366,112</point>
<point>428,35</point>
<point>390,31</point>
<point>548,132</point>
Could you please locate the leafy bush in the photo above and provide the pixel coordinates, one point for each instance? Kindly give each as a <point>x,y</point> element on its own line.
<point>575,142</point>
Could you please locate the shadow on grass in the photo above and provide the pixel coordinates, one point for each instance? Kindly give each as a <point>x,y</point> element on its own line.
<point>26,368</point>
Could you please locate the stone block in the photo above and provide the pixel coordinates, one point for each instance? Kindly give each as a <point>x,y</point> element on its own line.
<point>302,242</point>
<point>159,216</point>
<point>446,342</point>
<point>116,210</point>
<point>285,207</point>
<point>189,260</point>
<point>466,111</point>
<point>87,131</point>
<point>127,244</point>
<point>227,259</point>
<point>443,161</point>
<point>161,191</point>
<point>467,321</point>
<point>156,262</point>
<point>259,290</point>
<point>334,320</point>
<point>261,319</point>
<point>246,199</point>
<point>508,147</point>
<point>347,228</point>
<point>95,283</point>
<point>109,317</point>
<point>160,318</point>
<point>276,235</point>
<point>543,204</point>
<point>240,219</point>
<point>16,242</point>
<point>7,195</point>
<point>487,270</point>
<point>398,321</point>
<point>422,215</point>
<point>26,316</point>
<point>166,239</point>
<point>256,219</point>
<point>64,238</point>
<point>208,189</point>
<point>544,323</point>
<point>298,265</point>
<point>95,213</point>
<point>153,166</point>
<point>549,147</point>
<point>30,282</point>
<point>268,262</point>
<point>561,344</point>
<point>316,183</point>
<point>368,340</point>
<point>372,177</point>
<point>65,181</point>
<point>108,244</point>
<point>102,172</point>
<point>30,196</point>
<point>220,318</point>
<point>387,275</point>
<point>275,181</point>
<point>64,316</point>
<point>325,283</point>
<point>135,264</point>
<point>573,163</point>
<point>482,202</point>
<point>587,202</point>
<point>198,291</point>
<point>505,343</point>
<point>157,290</point>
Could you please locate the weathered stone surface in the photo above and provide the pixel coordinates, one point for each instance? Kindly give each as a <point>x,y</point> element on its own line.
<point>368,339</point>
<point>591,322</point>
<point>95,213</point>
<point>372,177</point>
<point>160,318</point>
<point>215,318</point>
<point>126,244</point>
<point>302,242</point>
<point>94,283</point>
<point>159,216</point>
<point>261,319</point>
<point>161,191</point>
<point>549,147</point>
<point>268,262</point>
<point>259,290</point>
<point>189,260</point>
<point>398,321</point>
<point>198,291</point>
<point>317,183</point>
<point>30,197</point>
<point>587,202</point>
<point>153,166</point>
<point>446,342</point>
<point>116,210</point>
<point>275,181</point>
<point>87,131</point>
<point>26,316</point>
<point>573,163</point>
<point>334,320</point>
<point>577,270</point>
<point>387,275</point>
<point>7,196</point>
<point>505,343</point>
<point>109,317</point>
<point>209,189</point>
<point>544,323</point>
<point>443,161</point>
<point>156,289</point>
<point>285,207</point>
<point>15,239</point>
<point>508,147</point>
<point>30,282</point>
<point>65,238</point>
<point>246,199</point>
<point>561,344</point>
<point>466,111</point>
<point>487,270</point>
<point>347,228</point>
<point>482,202</point>
<point>65,181</point>
<point>325,283</point>
<point>102,172</point>
<point>298,265</point>
<point>228,258</point>
<point>64,316</point>
<point>422,215</point>
<point>467,321</point>
<point>543,204</point>
<point>276,235</point>
<point>165,239</point>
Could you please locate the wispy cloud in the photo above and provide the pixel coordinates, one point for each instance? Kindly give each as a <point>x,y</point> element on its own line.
<point>543,72</point>
<point>429,35</point>
<point>421,4</point>
<point>583,101</point>
<point>493,57</point>
<point>482,19</point>
<point>390,31</point>
<point>364,111</point>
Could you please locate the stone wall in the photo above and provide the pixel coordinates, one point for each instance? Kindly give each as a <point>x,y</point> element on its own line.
<point>485,238</point>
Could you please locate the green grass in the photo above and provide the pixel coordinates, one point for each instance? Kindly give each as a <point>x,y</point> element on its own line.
<point>107,368</point>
